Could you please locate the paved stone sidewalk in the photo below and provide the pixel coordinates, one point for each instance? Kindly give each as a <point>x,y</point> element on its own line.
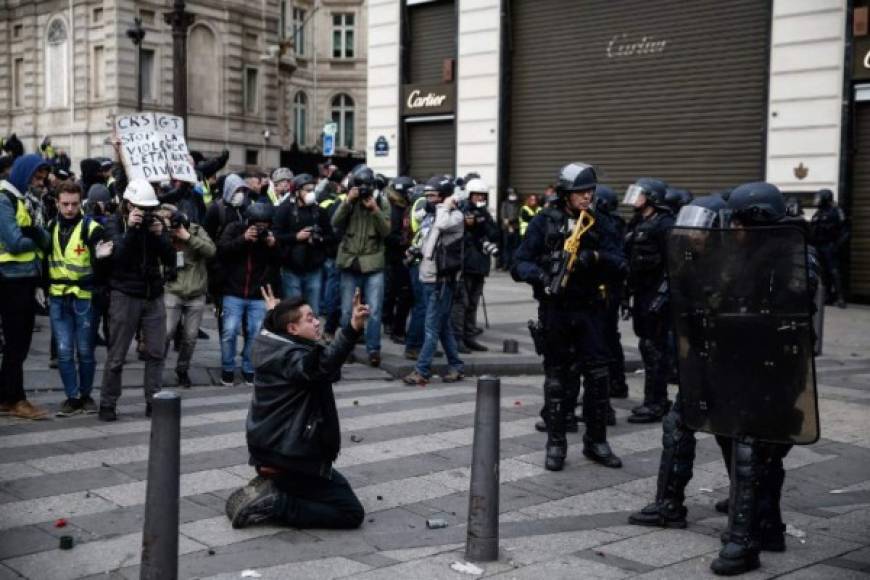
<point>406,451</point>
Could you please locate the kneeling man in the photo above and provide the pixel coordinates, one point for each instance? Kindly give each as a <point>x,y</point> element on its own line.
<point>292,427</point>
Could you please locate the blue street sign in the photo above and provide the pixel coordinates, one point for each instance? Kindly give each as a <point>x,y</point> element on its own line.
<point>382,147</point>
<point>328,145</point>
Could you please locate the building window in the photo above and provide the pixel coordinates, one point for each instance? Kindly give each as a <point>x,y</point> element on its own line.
<point>251,89</point>
<point>98,75</point>
<point>300,114</point>
<point>299,31</point>
<point>252,157</point>
<point>97,17</point>
<point>342,35</point>
<point>146,74</point>
<point>342,115</point>
<point>18,80</point>
<point>147,16</point>
<point>56,51</point>
<point>17,30</point>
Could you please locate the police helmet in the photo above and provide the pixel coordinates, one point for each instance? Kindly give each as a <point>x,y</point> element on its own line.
<point>676,198</point>
<point>757,203</point>
<point>260,212</point>
<point>575,177</point>
<point>605,199</point>
<point>381,181</point>
<point>653,190</point>
<point>440,183</point>
<point>302,180</point>
<point>824,198</point>
<point>702,212</point>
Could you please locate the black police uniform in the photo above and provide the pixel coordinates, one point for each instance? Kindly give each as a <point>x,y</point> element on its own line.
<point>647,281</point>
<point>829,233</point>
<point>571,333</point>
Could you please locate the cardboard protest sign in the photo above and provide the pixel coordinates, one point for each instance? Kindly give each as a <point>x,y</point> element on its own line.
<point>153,147</point>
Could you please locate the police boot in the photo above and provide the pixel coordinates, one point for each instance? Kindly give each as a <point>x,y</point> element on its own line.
<point>651,413</point>
<point>596,401</point>
<point>740,552</point>
<point>675,471</point>
<point>771,529</point>
<point>837,284</point>
<point>557,442</point>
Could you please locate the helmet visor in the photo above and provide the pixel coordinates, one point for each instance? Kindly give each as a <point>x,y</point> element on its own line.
<point>693,216</point>
<point>633,194</point>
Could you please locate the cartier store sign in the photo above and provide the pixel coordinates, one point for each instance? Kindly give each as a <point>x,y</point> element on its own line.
<point>428,99</point>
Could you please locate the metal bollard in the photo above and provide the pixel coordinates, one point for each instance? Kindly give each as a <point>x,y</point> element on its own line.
<point>160,531</point>
<point>510,346</point>
<point>482,540</point>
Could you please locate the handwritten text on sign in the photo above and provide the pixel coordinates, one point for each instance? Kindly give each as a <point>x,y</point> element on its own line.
<point>153,147</point>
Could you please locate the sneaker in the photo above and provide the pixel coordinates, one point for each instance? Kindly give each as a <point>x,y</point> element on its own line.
<point>183,379</point>
<point>452,376</point>
<point>375,359</point>
<point>26,410</point>
<point>414,378</point>
<point>228,378</point>
<point>89,406</point>
<point>69,408</point>
<point>474,345</point>
<point>252,504</point>
<point>249,379</point>
<point>107,413</point>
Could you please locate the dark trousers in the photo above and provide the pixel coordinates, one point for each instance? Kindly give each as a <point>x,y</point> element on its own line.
<point>308,501</point>
<point>397,297</point>
<point>18,311</point>
<point>510,241</point>
<point>126,314</point>
<point>466,300</point>
<point>614,340</point>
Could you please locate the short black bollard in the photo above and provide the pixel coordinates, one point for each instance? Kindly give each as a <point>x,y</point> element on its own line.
<point>160,532</point>
<point>482,540</point>
<point>510,346</point>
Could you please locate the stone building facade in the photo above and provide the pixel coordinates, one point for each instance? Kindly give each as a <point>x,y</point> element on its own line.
<point>262,74</point>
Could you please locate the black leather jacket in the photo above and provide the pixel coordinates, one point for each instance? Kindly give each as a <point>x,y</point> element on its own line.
<point>293,422</point>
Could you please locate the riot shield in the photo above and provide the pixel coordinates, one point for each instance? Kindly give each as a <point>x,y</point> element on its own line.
<point>742,320</point>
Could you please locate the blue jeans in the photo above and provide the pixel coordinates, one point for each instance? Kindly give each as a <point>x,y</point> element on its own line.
<point>72,323</point>
<point>331,299</point>
<point>416,325</point>
<point>372,285</point>
<point>306,284</point>
<point>439,301</point>
<point>235,311</point>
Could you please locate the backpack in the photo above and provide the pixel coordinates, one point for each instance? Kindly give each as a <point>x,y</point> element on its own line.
<point>449,257</point>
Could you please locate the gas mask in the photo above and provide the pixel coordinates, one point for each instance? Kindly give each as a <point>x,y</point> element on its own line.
<point>237,198</point>
<point>480,205</point>
<point>512,197</point>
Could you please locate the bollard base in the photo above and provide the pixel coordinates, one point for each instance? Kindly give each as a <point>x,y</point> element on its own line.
<point>481,550</point>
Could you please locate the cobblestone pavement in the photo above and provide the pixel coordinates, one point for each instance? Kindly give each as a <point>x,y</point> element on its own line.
<point>406,451</point>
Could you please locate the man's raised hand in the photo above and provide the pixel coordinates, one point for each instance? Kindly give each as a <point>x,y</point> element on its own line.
<point>269,296</point>
<point>360,312</point>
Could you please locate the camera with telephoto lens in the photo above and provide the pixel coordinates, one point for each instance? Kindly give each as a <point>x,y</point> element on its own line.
<point>262,229</point>
<point>490,248</point>
<point>412,255</point>
<point>365,192</point>
<point>149,216</point>
<point>179,219</point>
<point>316,235</point>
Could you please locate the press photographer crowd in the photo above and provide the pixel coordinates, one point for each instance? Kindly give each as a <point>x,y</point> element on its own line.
<point>299,268</point>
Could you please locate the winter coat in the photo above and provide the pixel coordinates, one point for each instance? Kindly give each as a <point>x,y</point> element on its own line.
<point>475,261</point>
<point>192,279</point>
<point>246,266</point>
<point>139,258</point>
<point>449,224</point>
<point>362,247</point>
<point>292,422</point>
<point>12,238</point>
<point>303,256</point>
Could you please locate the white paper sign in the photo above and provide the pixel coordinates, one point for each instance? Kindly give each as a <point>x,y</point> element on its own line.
<point>153,147</point>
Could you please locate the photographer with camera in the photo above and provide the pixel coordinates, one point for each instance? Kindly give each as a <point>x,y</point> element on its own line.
<point>305,233</point>
<point>142,255</point>
<point>185,295</point>
<point>481,235</point>
<point>249,255</point>
<point>365,220</point>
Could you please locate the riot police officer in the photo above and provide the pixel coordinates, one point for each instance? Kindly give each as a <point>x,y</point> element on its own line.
<point>829,233</point>
<point>678,441</point>
<point>647,283</point>
<point>568,256</point>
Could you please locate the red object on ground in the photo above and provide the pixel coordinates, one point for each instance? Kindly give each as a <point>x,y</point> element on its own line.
<point>518,403</point>
<point>60,523</point>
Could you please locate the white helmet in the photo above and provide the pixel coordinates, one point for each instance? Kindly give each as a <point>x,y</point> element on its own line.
<point>140,193</point>
<point>477,185</point>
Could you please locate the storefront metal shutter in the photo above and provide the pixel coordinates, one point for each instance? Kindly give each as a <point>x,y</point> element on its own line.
<point>431,149</point>
<point>859,266</point>
<point>692,114</point>
<point>432,34</point>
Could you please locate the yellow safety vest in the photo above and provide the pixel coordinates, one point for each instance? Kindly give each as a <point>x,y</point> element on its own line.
<point>206,193</point>
<point>22,217</point>
<point>329,202</point>
<point>70,271</point>
<point>526,215</point>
